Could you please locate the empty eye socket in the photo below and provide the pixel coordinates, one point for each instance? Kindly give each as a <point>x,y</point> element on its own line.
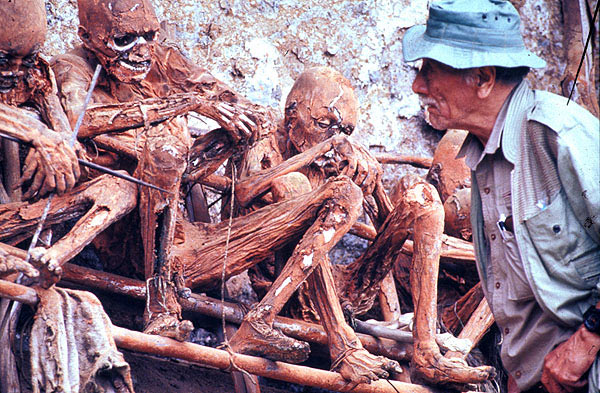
<point>323,123</point>
<point>30,60</point>
<point>125,40</point>
<point>347,129</point>
<point>150,36</point>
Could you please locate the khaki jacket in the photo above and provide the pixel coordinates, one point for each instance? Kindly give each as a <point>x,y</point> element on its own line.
<point>555,184</point>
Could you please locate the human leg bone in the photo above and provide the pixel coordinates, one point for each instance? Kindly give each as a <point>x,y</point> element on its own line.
<point>163,163</point>
<point>334,219</point>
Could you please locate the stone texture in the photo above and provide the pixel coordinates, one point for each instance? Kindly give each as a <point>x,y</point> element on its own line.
<point>261,46</point>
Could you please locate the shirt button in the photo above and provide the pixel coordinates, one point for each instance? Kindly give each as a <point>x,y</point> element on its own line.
<point>497,285</point>
<point>493,236</point>
<point>486,190</point>
<point>518,374</point>
<point>506,330</point>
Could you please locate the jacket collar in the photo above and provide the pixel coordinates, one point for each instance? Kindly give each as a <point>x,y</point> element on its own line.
<point>505,133</point>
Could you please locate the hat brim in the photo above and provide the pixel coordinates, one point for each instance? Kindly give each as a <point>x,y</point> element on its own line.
<point>416,45</point>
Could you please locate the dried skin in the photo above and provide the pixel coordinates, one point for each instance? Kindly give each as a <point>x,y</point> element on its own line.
<point>22,35</point>
<point>51,165</point>
<point>23,26</point>
<point>104,29</point>
<point>9,264</point>
<point>447,173</point>
<point>320,104</point>
<point>457,210</point>
<point>320,157</point>
<point>97,204</point>
<point>162,84</point>
<point>72,348</point>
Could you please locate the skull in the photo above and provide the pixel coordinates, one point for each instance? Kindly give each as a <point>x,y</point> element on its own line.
<point>122,34</point>
<point>22,34</point>
<point>320,105</point>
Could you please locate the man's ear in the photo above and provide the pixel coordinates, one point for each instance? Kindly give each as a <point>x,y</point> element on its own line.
<point>486,80</point>
<point>84,35</point>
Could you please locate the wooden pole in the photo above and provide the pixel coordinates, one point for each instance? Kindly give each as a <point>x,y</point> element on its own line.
<point>391,158</point>
<point>205,305</point>
<point>206,356</point>
<point>452,247</point>
<point>479,323</point>
<point>162,346</point>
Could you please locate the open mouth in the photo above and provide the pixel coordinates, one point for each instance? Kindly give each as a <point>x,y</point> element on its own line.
<point>141,66</point>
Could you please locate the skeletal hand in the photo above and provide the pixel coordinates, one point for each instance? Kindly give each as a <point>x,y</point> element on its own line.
<point>243,122</point>
<point>10,264</point>
<point>356,163</point>
<point>52,164</point>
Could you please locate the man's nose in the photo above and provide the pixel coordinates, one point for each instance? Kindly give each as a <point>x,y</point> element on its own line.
<point>419,86</point>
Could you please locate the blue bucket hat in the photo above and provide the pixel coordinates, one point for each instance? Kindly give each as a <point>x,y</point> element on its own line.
<point>470,33</point>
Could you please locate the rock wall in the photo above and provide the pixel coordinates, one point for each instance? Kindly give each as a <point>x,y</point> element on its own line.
<point>260,46</point>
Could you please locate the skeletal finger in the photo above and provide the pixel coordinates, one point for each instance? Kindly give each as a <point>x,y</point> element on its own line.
<point>61,183</point>
<point>28,270</point>
<point>373,376</point>
<point>227,106</point>
<point>244,129</point>
<point>247,120</point>
<point>31,165</point>
<point>35,186</point>
<point>48,185</point>
<point>370,182</point>
<point>70,180</point>
<point>224,111</point>
<point>51,264</point>
<point>361,174</point>
<point>351,167</point>
<point>76,170</point>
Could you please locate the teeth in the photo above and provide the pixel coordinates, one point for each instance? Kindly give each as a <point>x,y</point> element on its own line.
<point>135,66</point>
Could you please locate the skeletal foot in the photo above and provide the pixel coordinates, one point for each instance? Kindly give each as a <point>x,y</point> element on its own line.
<point>168,325</point>
<point>429,364</point>
<point>255,337</point>
<point>10,264</point>
<point>46,261</point>
<point>359,366</point>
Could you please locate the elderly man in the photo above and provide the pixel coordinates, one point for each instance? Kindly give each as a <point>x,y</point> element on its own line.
<point>535,203</point>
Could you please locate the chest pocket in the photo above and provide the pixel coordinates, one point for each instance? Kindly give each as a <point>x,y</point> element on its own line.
<point>565,248</point>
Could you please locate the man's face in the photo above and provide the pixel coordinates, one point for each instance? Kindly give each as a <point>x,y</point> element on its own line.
<point>446,95</point>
